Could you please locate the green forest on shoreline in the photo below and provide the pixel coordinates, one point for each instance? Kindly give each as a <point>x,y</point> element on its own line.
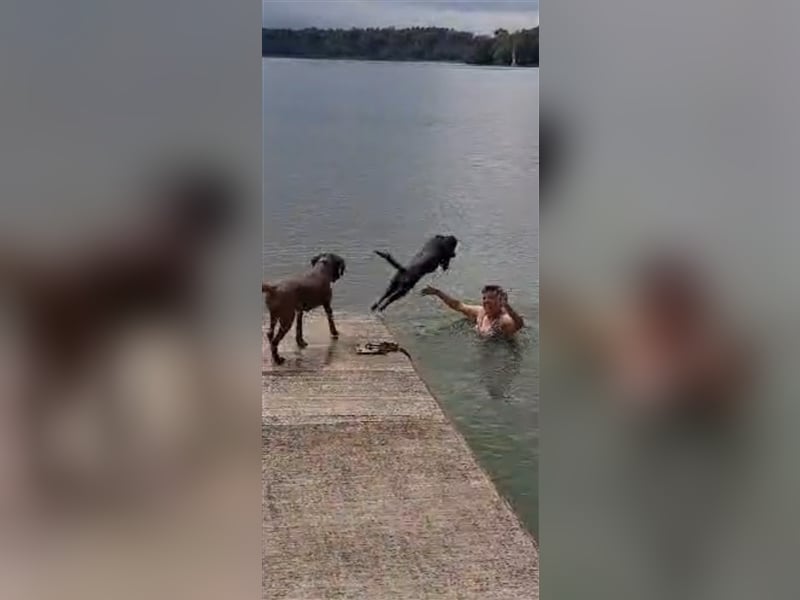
<point>518,48</point>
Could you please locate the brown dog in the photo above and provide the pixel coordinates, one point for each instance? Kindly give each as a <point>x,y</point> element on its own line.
<point>72,306</point>
<point>290,298</point>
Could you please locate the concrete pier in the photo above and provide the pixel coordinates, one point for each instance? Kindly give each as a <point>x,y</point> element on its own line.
<point>369,491</point>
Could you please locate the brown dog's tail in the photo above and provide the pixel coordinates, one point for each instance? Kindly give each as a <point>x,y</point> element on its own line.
<point>267,288</point>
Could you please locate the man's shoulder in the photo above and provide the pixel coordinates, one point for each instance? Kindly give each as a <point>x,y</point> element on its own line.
<point>508,323</point>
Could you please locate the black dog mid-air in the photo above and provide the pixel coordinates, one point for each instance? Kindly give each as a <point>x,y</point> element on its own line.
<point>437,252</point>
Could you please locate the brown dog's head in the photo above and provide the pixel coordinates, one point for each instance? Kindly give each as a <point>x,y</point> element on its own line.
<point>200,201</point>
<point>332,264</point>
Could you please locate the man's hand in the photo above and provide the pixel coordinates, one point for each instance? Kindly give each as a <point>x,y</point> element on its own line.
<point>429,291</point>
<point>517,321</point>
<point>502,296</point>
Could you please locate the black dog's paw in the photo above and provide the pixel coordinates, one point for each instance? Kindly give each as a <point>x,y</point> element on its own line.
<point>302,344</point>
<point>335,335</point>
<point>278,360</point>
<point>373,307</point>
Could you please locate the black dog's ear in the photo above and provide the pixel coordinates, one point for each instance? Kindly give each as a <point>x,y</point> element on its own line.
<point>315,260</point>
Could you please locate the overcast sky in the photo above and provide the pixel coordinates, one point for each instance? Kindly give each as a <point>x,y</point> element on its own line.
<point>476,15</point>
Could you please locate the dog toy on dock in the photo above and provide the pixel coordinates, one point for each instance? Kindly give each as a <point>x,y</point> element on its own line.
<point>380,348</point>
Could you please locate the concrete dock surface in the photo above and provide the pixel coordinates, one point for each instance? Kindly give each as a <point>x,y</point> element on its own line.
<point>369,491</point>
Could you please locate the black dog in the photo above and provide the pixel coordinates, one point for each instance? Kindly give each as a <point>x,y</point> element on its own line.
<point>288,299</point>
<point>437,252</point>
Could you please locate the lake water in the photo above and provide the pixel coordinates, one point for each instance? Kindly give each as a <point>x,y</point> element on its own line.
<point>364,155</point>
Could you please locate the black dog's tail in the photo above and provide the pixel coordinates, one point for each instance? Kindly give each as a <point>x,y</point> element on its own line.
<point>391,260</point>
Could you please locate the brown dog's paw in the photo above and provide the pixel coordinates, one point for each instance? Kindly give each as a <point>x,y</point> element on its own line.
<point>335,335</point>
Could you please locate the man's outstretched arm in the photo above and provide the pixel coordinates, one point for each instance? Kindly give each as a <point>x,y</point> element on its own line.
<point>469,311</point>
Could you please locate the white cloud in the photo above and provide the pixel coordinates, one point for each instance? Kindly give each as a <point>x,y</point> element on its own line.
<point>483,17</point>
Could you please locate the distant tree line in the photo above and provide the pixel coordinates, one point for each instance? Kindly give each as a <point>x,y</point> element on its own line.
<point>414,43</point>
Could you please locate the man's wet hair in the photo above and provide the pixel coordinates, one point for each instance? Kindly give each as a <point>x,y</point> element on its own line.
<point>491,288</point>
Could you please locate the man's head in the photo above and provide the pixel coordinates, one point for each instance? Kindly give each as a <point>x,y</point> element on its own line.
<point>671,290</point>
<point>492,299</point>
